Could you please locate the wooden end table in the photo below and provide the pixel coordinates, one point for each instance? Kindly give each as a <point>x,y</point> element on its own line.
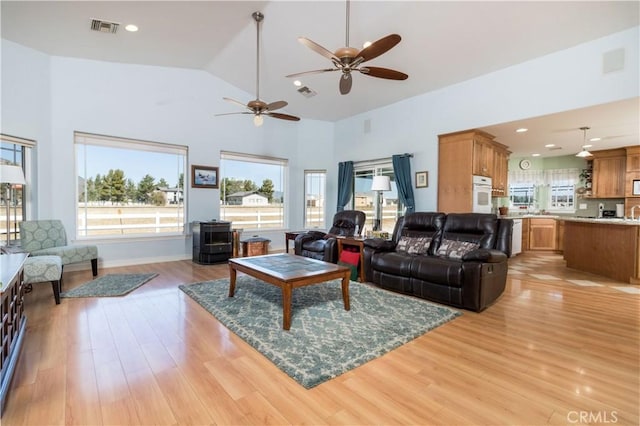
<point>353,242</point>
<point>288,236</point>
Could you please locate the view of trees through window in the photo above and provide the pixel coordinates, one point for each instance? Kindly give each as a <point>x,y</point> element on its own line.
<point>252,191</point>
<point>129,187</point>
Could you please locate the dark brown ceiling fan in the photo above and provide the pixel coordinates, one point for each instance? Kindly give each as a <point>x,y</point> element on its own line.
<point>348,59</point>
<point>258,107</point>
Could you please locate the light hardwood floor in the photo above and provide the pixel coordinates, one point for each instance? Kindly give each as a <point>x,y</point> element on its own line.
<point>550,351</point>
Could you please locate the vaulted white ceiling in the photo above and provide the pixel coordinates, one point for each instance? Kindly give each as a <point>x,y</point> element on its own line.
<point>442,43</point>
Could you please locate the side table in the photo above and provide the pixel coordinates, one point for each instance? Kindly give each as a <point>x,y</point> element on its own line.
<point>288,236</point>
<point>354,242</point>
<point>12,249</point>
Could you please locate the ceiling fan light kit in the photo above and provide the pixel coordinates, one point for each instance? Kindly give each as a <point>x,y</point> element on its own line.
<point>258,107</point>
<point>348,59</point>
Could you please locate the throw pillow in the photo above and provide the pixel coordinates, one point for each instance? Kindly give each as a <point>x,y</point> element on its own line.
<point>413,245</point>
<point>456,249</point>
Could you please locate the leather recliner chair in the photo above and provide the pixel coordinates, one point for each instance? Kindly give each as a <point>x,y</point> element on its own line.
<point>322,245</point>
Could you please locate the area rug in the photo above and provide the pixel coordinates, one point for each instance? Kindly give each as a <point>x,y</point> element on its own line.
<point>324,340</point>
<point>109,285</point>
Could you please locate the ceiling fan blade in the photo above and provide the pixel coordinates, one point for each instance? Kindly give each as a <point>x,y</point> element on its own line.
<point>231,113</point>
<point>379,47</point>
<point>298,74</point>
<point>318,49</point>
<point>383,73</point>
<point>276,105</point>
<point>283,116</point>
<point>345,83</point>
<point>233,101</point>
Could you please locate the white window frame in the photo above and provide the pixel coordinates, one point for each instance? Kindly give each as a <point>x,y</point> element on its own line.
<point>315,184</point>
<point>254,223</point>
<point>381,167</point>
<point>23,160</point>
<point>81,140</point>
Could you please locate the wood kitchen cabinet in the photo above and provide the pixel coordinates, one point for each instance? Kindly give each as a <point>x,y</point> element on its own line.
<point>482,155</point>
<point>462,155</point>
<point>609,173</point>
<point>542,234</point>
<point>500,174</point>
<point>525,234</point>
<point>559,235</point>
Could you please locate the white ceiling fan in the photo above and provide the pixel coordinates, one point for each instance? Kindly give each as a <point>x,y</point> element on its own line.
<point>257,107</point>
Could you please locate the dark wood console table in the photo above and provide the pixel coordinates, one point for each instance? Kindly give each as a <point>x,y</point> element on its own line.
<point>13,327</point>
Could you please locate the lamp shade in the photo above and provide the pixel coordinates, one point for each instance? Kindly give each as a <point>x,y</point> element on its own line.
<point>584,153</point>
<point>11,174</point>
<point>381,183</point>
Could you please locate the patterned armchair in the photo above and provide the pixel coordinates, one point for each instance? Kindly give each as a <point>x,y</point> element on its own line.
<point>48,238</point>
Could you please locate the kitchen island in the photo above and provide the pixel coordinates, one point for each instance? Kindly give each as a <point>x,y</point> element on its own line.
<point>607,247</point>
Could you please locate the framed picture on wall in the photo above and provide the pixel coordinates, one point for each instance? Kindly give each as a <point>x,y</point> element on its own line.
<point>422,179</point>
<point>636,187</point>
<point>204,177</point>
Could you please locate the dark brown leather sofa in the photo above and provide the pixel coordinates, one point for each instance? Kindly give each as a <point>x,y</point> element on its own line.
<point>470,277</point>
<point>323,246</point>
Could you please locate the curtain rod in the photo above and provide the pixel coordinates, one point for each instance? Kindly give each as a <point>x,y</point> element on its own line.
<point>406,154</point>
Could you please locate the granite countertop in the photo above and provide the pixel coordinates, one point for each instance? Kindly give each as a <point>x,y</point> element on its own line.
<point>613,220</point>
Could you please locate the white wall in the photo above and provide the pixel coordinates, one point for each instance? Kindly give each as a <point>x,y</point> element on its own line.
<point>25,113</point>
<point>177,106</point>
<point>149,103</point>
<point>565,80</point>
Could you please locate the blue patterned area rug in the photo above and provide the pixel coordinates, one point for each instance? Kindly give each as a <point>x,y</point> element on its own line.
<point>325,340</point>
<point>109,285</point>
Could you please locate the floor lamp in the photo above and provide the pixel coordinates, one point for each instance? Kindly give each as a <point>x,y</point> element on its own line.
<point>10,175</point>
<point>380,184</point>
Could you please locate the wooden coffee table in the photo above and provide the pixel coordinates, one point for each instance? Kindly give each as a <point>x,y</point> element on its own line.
<point>289,271</point>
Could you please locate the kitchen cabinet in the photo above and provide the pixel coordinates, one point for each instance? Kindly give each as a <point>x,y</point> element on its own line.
<point>500,173</point>
<point>482,155</point>
<point>460,156</point>
<point>609,173</point>
<point>525,234</point>
<point>542,234</point>
<point>559,235</point>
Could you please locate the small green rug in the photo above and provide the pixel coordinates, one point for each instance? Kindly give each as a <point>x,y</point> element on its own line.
<point>324,340</point>
<point>109,285</point>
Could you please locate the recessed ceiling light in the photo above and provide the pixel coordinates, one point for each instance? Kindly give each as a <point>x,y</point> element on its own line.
<point>297,83</point>
<point>521,130</point>
<point>587,146</point>
<point>366,44</point>
<point>131,28</point>
<point>550,145</point>
<point>595,139</point>
<point>535,155</point>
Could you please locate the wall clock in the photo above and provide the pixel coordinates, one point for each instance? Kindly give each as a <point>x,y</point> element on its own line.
<point>525,164</point>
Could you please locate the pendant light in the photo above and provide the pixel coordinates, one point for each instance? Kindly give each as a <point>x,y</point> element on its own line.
<point>584,153</point>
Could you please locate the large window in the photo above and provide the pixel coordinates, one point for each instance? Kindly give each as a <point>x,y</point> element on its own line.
<point>366,200</point>
<point>314,198</point>
<point>252,190</point>
<point>550,190</point>
<point>15,152</point>
<point>129,187</point>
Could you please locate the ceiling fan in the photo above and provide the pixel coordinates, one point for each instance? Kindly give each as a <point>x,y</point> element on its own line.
<point>348,59</point>
<point>258,107</point>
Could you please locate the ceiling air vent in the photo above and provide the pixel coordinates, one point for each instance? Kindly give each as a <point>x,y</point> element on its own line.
<point>104,26</point>
<point>306,92</point>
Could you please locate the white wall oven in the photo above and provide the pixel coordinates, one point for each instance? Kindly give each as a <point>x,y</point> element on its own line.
<point>481,194</point>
